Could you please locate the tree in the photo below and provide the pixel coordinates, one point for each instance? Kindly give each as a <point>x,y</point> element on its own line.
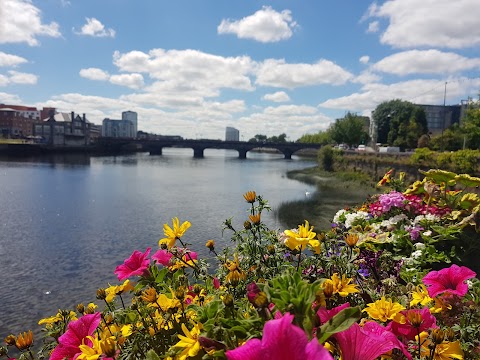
<point>258,138</point>
<point>471,126</point>
<point>350,130</point>
<point>322,137</point>
<point>400,123</point>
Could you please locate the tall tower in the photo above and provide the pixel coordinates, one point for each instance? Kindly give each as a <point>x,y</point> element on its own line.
<point>131,116</point>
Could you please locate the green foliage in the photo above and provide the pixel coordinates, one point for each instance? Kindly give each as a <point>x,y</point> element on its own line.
<point>423,156</point>
<point>282,138</point>
<point>400,123</point>
<point>322,137</point>
<point>462,161</point>
<point>351,130</point>
<point>326,158</point>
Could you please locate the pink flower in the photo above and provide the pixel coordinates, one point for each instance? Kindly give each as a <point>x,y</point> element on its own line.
<point>408,330</point>
<point>451,280</point>
<point>252,291</point>
<point>136,264</point>
<point>76,335</point>
<point>367,342</point>
<point>281,341</point>
<point>216,283</point>
<point>162,257</point>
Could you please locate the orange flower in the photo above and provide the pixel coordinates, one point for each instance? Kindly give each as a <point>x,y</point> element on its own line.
<point>250,196</point>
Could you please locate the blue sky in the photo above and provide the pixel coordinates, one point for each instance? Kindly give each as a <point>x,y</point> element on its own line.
<point>191,68</point>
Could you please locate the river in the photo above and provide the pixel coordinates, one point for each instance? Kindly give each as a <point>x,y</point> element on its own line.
<point>68,220</point>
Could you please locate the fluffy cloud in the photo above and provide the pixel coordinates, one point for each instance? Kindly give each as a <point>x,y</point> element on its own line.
<point>133,81</point>
<point>20,21</point>
<point>95,28</point>
<point>373,27</point>
<point>189,69</point>
<point>9,60</point>
<point>9,98</point>
<point>266,25</point>
<point>419,91</point>
<point>279,96</point>
<point>15,77</point>
<point>433,23</point>
<point>22,78</point>
<point>425,62</point>
<point>277,73</point>
<point>364,59</point>
<point>94,74</point>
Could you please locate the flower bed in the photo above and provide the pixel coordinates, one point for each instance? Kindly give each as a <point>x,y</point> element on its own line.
<point>393,278</point>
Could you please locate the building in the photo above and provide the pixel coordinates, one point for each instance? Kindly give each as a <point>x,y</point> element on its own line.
<point>440,117</point>
<point>64,129</point>
<point>16,121</point>
<point>118,128</point>
<point>131,116</point>
<point>232,134</point>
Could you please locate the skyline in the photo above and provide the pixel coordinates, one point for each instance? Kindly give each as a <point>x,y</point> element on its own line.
<point>193,68</point>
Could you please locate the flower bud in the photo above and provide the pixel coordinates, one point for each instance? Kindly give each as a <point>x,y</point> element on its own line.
<point>24,341</point>
<point>438,336</point>
<point>328,289</point>
<point>108,347</point>
<point>101,294</point>
<point>10,340</point>
<point>247,225</point>
<point>228,300</point>
<point>261,300</point>
<point>210,244</point>
<point>81,308</point>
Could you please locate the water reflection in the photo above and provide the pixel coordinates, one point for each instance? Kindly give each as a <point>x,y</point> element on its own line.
<point>68,221</point>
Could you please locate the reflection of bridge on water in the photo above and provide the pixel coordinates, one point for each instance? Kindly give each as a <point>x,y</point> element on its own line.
<point>155,147</point>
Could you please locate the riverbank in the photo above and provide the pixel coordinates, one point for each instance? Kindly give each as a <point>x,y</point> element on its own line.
<point>335,191</point>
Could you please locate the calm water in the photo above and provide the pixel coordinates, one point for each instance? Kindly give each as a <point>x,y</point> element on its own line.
<point>67,221</point>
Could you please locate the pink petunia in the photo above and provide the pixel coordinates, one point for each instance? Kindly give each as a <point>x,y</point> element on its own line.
<point>367,342</point>
<point>69,343</point>
<point>162,257</point>
<point>407,329</point>
<point>451,280</point>
<point>136,264</point>
<point>281,341</point>
<point>216,283</point>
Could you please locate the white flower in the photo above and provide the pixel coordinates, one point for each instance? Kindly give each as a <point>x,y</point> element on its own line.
<point>354,217</point>
<point>336,218</point>
<point>419,245</point>
<point>427,233</point>
<point>416,254</point>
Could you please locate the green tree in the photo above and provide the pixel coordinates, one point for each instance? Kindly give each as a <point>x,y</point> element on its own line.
<point>258,138</point>
<point>471,126</point>
<point>322,137</point>
<point>400,123</point>
<point>350,130</point>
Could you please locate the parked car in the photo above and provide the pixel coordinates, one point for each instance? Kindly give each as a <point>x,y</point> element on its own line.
<point>361,148</point>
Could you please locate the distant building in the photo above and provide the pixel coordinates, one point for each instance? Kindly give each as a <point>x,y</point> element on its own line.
<point>125,128</point>
<point>117,128</point>
<point>16,121</point>
<point>441,117</point>
<point>131,116</point>
<point>64,129</point>
<point>232,134</point>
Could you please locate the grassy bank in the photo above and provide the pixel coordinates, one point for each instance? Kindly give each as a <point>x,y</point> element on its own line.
<point>334,191</point>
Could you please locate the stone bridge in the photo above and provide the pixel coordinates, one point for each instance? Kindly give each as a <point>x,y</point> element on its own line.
<point>155,147</point>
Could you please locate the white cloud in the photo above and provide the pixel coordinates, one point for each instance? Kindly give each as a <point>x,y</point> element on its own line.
<point>433,23</point>
<point>425,62</point>
<point>20,21</point>
<point>418,91</point>
<point>293,120</point>
<point>277,73</point>
<point>189,70</point>
<point>9,60</point>
<point>279,96</point>
<point>373,27</point>
<point>133,81</point>
<point>364,59</point>
<point>9,98</point>
<point>22,78</point>
<point>266,25</point>
<point>94,74</point>
<point>366,77</point>
<point>95,28</point>
<point>4,81</point>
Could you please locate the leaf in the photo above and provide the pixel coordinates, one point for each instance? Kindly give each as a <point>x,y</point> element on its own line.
<point>152,355</point>
<point>340,322</point>
<point>440,176</point>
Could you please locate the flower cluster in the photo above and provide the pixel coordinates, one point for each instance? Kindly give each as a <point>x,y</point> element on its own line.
<point>379,284</point>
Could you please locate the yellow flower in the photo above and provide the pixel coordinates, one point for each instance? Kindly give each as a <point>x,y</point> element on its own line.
<point>383,309</point>
<point>210,244</point>
<point>416,188</point>
<point>189,342</point>
<point>236,274</point>
<point>420,296</point>
<point>439,306</point>
<point>351,239</point>
<point>250,196</point>
<point>57,318</point>
<point>316,246</point>
<point>386,178</point>
<point>341,286</point>
<point>255,219</point>
<point>445,350</point>
<point>173,234</point>
<point>300,238</point>
<point>24,341</point>
<point>90,353</point>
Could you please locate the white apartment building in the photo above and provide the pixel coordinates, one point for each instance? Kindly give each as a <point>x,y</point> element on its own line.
<point>232,134</point>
